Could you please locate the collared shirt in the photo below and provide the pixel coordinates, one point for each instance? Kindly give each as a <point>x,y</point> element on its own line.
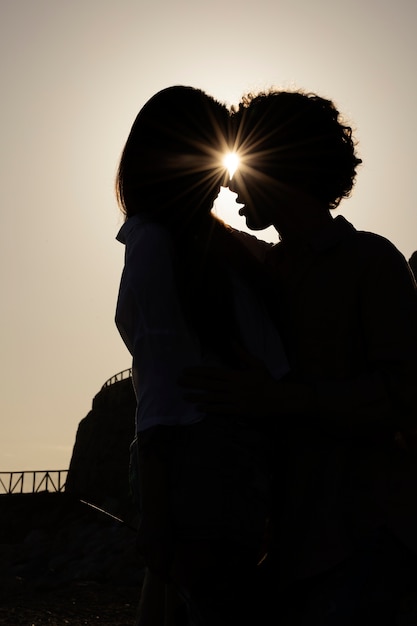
<point>349,315</point>
<point>351,318</point>
<point>151,322</point>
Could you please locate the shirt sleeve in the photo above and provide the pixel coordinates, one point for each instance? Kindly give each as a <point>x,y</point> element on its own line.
<point>385,393</point>
<point>151,321</point>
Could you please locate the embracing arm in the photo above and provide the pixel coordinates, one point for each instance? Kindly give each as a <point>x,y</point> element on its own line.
<point>254,393</point>
<point>381,399</point>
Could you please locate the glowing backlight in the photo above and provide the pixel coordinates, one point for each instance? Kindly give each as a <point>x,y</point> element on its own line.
<point>231,162</point>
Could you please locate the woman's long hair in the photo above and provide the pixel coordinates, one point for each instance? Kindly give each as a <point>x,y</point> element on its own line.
<point>171,166</point>
<point>171,171</point>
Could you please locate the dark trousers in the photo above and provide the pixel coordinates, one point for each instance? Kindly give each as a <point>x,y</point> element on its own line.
<point>366,590</point>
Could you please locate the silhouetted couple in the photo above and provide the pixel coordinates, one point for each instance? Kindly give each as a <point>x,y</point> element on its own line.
<point>275,384</point>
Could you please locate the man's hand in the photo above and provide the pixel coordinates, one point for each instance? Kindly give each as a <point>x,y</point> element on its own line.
<point>219,391</point>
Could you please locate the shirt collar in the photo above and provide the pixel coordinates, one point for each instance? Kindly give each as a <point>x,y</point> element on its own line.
<point>335,231</point>
<point>130,224</point>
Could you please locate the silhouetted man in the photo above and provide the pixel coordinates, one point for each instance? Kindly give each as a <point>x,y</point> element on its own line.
<point>346,304</point>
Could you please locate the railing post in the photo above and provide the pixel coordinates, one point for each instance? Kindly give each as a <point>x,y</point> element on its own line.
<point>18,485</point>
<point>118,377</point>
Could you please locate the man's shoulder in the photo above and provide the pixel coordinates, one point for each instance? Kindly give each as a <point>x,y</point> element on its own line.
<point>373,254</point>
<point>369,242</point>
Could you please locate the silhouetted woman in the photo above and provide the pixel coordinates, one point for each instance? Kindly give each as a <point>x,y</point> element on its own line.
<point>187,297</point>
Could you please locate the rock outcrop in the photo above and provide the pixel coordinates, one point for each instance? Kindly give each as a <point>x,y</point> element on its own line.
<point>99,467</point>
<point>48,540</point>
<point>412,261</point>
<point>51,539</point>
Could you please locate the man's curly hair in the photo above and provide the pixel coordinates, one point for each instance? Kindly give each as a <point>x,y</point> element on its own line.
<point>300,140</point>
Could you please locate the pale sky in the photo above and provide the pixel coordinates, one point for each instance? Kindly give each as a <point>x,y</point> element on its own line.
<point>74,74</point>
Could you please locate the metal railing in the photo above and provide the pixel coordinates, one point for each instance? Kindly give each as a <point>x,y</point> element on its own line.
<point>33,481</point>
<point>118,377</point>
<point>45,480</point>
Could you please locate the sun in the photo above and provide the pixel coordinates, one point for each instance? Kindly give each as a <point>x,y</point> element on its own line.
<point>231,162</point>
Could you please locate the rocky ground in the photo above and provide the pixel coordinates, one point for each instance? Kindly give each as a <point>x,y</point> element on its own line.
<point>64,563</point>
<point>78,604</point>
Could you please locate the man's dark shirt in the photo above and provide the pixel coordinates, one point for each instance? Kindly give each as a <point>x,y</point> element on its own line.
<point>348,311</point>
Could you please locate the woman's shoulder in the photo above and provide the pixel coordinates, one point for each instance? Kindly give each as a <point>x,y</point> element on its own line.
<point>141,229</point>
<point>257,247</point>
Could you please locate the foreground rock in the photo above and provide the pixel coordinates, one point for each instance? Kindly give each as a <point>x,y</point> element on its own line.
<point>99,466</point>
<point>49,540</point>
